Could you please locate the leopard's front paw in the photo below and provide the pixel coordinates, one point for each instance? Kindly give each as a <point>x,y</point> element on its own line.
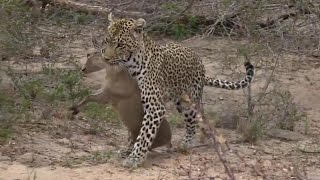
<point>124,153</point>
<point>187,143</point>
<point>185,146</point>
<point>132,162</point>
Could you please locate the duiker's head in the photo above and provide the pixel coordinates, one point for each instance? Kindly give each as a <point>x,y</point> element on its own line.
<point>94,63</point>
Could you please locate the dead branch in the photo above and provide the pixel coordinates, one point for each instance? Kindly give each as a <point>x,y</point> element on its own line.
<point>224,19</point>
<point>187,8</point>
<point>86,8</point>
<point>307,8</point>
<point>232,20</point>
<point>218,142</point>
<point>300,10</point>
<point>212,134</point>
<point>266,86</point>
<point>269,24</point>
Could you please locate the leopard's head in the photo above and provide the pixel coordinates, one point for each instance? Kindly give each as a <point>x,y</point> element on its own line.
<point>123,37</point>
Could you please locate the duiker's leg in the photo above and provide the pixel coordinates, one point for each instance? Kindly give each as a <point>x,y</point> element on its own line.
<point>100,96</point>
<point>124,153</point>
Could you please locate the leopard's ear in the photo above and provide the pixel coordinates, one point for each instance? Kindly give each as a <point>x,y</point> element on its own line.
<point>138,28</point>
<point>140,24</point>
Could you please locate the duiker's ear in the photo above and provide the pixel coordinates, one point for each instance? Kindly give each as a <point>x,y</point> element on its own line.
<point>139,26</point>
<point>110,18</point>
<point>95,42</point>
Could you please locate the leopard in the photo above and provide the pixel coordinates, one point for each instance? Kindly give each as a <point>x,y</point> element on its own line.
<point>160,70</point>
<point>121,91</point>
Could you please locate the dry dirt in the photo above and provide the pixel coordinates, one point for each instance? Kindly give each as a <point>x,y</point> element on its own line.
<point>59,148</point>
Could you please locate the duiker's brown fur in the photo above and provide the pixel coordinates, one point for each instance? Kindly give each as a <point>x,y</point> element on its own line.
<point>122,91</point>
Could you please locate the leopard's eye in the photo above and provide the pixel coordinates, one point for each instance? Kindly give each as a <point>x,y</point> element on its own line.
<point>102,51</point>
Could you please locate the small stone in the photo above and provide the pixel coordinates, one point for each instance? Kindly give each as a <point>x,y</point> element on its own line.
<point>36,51</point>
<point>267,163</point>
<point>64,141</point>
<point>181,172</point>
<point>41,51</point>
<point>267,157</point>
<point>6,82</point>
<point>44,52</point>
<point>40,160</point>
<point>252,162</point>
<point>5,158</point>
<point>25,158</point>
<point>313,175</point>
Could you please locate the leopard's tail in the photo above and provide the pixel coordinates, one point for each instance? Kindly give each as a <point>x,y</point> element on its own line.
<point>233,85</point>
